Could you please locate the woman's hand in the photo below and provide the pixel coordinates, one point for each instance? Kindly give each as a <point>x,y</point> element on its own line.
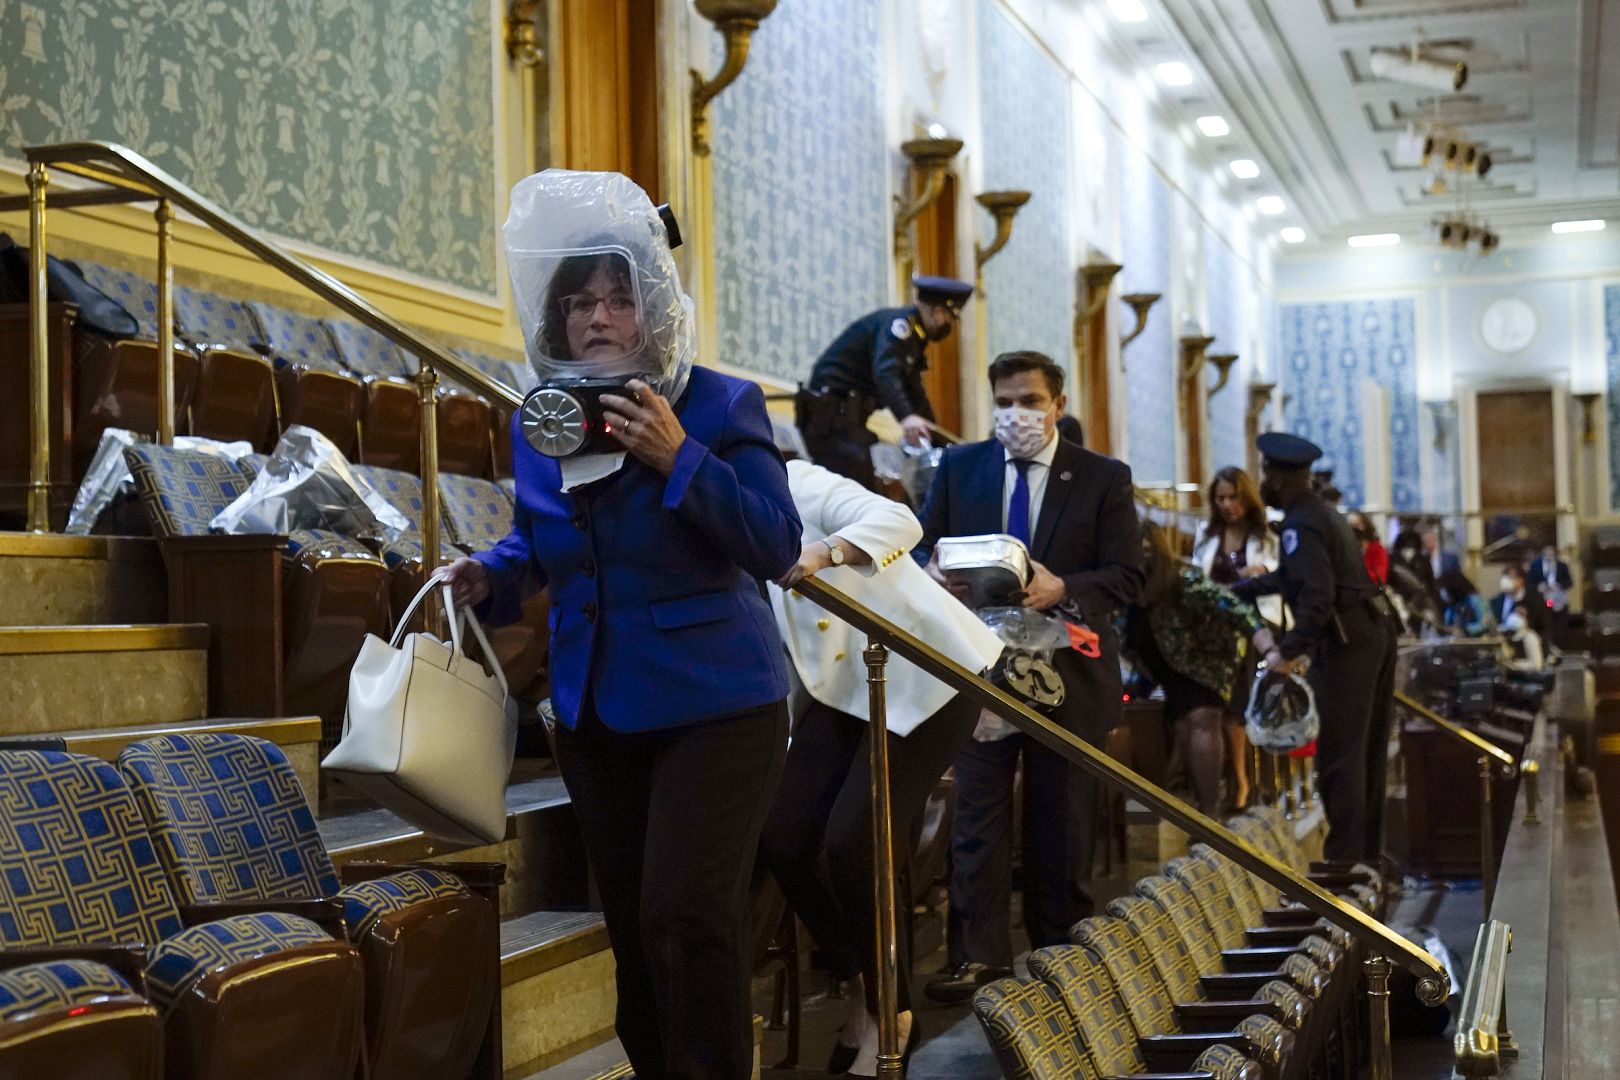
<point>1275,662</point>
<point>814,557</point>
<point>646,426</point>
<point>1253,572</point>
<point>468,580</point>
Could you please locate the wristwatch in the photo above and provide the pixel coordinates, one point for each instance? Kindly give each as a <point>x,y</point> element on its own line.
<point>834,553</point>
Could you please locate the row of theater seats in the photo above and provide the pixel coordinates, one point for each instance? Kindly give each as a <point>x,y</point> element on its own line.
<point>337,588</point>
<point>178,915</point>
<point>248,370</point>
<point>1203,971</point>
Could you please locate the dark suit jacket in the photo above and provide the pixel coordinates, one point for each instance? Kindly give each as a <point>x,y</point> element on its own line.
<point>1086,533</point>
<point>1535,577</point>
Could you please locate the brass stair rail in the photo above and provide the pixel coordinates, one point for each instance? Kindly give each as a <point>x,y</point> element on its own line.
<point>127,176</point>
<point>1477,743</point>
<point>1383,944</point>
<point>1482,1039</point>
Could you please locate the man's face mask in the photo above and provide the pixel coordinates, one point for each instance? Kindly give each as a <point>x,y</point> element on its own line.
<point>1022,431</point>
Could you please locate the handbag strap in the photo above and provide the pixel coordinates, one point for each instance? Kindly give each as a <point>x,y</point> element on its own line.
<point>477,629</point>
<point>456,616</point>
<point>416,601</point>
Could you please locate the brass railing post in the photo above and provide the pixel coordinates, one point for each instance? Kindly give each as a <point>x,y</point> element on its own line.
<point>1290,800</point>
<point>1532,792</point>
<point>1487,835</point>
<point>39,346</point>
<point>164,214</point>
<point>1377,970</point>
<point>889,1062</point>
<point>427,393</point>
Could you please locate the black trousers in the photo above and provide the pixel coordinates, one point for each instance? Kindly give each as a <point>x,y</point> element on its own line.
<point>671,822</point>
<point>1059,825</point>
<point>818,839</point>
<point>847,452</point>
<point>1353,684</point>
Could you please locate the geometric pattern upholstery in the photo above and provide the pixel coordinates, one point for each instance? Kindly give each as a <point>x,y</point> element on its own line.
<point>1187,918</point>
<point>508,485</point>
<point>229,818</point>
<point>312,546</point>
<point>77,863</point>
<point>1094,1007</point>
<point>1115,946</point>
<point>297,339</point>
<point>57,984</point>
<point>1223,1062</point>
<point>367,901</point>
<point>182,490</point>
<point>515,374</point>
<point>206,319</point>
<point>134,293</point>
<point>1030,1031</point>
<point>408,550</point>
<point>403,490</point>
<point>478,512</point>
<point>1209,890</point>
<point>366,352</point>
<point>1165,947</point>
<point>179,961</point>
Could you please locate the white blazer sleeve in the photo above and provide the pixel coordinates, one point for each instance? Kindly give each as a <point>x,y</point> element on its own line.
<point>879,526</point>
<point>1203,555</point>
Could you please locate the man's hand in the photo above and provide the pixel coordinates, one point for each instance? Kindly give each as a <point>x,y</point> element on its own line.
<point>814,557</point>
<point>1046,591</point>
<point>916,429</point>
<point>646,426</point>
<point>1296,666</point>
<point>468,580</point>
<point>957,589</point>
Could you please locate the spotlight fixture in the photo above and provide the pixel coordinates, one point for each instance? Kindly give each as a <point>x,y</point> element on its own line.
<point>1128,11</point>
<point>1458,232</point>
<point>1174,73</point>
<point>1213,126</point>
<point>1418,70</point>
<point>1292,234</point>
<point>1270,205</point>
<point>1589,225</point>
<point>1372,240</point>
<point>1243,169</point>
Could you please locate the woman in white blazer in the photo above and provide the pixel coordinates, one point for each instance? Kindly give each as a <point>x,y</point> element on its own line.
<point>817,840</point>
<point>1235,544</point>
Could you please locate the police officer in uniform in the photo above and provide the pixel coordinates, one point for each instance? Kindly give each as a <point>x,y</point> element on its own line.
<point>1340,638</point>
<point>877,362</point>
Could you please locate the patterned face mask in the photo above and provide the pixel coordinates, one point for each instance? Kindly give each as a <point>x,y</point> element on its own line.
<point>1021,431</point>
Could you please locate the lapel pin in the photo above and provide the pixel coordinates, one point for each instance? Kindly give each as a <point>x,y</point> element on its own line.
<point>1065,476</point>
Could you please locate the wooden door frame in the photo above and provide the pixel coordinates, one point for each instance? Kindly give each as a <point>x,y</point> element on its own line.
<point>1468,391</point>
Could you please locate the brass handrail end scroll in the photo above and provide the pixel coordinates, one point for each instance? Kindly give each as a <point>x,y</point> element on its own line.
<point>736,20</point>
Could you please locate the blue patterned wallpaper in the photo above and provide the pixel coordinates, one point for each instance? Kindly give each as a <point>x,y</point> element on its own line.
<point>1611,340</point>
<point>1024,118</point>
<point>1151,430</point>
<point>800,183</point>
<point>1327,349</point>
<point>1225,285</point>
<point>359,127</point>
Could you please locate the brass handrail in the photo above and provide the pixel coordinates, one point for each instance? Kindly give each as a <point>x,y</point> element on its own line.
<point>1482,1037</point>
<point>1433,983</point>
<point>1479,744</point>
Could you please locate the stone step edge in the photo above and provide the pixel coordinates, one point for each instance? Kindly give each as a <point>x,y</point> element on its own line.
<point>542,941</point>
<point>19,545</point>
<point>105,743</point>
<point>126,637</point>
<point>403,842</point>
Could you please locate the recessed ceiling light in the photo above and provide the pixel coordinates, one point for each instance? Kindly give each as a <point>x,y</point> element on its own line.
<point>1243,168</point>
<point>1175,73</point>
<point>1270,204</point>
<point>1213,126</point>
<point>1128,11</point>
<point>1293,234</point>
<point>1382,239</point>
<point>1590,225</point>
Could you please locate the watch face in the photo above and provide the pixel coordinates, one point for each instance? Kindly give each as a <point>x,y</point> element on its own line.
<point>1508,325</point>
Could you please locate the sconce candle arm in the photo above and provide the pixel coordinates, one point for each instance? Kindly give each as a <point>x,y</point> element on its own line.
<point>736,20</point>
<point>1141,303</point>
<point>982,255</point>
<point>1223,365</point>
<point>933,184</point>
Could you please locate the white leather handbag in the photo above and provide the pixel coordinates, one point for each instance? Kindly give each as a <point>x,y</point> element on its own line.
<point>426,732</point>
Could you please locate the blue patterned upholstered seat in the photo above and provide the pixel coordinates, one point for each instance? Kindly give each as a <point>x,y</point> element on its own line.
<point>182,489</point>
<point>230,822</point>
<point>404,493</point>
<point>366,352</point>
<point>509,485</point>
<point>297,339</point>
<point>207,319</point>
<point>479,513</point>
<point>516,373</point>
<point>137,295</point>
<point>178,962</point>
<point>57,984</point>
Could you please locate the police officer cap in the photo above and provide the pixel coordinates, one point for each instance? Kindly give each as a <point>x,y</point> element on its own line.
<point>1288,451</point>
<point>941,290</point>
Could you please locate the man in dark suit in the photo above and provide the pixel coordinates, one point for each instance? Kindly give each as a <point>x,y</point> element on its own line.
<point>1076,513</point>
<point>1513,592</point>
<point>1548,583</point>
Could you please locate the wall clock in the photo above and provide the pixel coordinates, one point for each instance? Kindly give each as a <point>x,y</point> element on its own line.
<point>1508,324</point>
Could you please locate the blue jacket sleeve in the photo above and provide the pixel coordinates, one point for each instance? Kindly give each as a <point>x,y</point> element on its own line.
<point>508,563</point>
<point>737,492</point>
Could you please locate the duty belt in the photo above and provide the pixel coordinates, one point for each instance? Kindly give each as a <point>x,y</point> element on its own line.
<point>825,412</point>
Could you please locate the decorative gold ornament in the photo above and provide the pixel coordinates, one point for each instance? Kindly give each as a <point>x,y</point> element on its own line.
<point>1003,206</point>
<point>1140,303</point>
<point>736,20</point>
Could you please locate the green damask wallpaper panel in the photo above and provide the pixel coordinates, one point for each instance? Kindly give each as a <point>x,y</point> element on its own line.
<point>364,127</point>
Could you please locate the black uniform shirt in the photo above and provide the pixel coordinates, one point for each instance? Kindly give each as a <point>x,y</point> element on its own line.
<point>1321,571</point>
<point>881,355</point>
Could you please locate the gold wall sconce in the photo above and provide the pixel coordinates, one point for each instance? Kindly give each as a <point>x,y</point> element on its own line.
<point>928,158</point>
<point>1259,397</point>
<point>736,20</point>
<point>1192,355</point>
<point>1092,282</point>
<point>1003,206</point>
<point>1223,366</point>
<point>1141,303</point>
<point>1588,402</point>
<point>523,33</point>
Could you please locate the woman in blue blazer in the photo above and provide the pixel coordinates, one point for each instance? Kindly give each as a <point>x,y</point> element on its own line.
<point>667,670</point>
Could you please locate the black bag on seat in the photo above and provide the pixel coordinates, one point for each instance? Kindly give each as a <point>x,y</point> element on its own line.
<point>98,312</point>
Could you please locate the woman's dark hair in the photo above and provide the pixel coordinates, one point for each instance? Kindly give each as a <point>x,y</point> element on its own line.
<point>1163,566</point>
<point>572,274</point>
<point>1009,364</point>
<point>1254,510</point>
<point>1407,540</point>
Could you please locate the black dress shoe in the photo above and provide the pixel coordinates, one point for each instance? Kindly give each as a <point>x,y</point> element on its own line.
<point>959,985</point>
<point>842,1058</point>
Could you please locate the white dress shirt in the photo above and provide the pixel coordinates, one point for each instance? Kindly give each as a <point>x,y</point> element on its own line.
<point>1040,470</point>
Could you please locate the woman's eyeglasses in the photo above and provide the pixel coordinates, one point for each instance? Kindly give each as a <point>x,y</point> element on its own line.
<point>583,305</point>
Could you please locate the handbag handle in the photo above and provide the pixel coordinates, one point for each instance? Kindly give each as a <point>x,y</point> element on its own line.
<point>416,601</point>
<point>455,616</point>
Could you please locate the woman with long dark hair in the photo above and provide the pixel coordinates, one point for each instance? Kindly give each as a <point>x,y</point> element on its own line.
<point>1191,637</point>
<point>1236,543</point>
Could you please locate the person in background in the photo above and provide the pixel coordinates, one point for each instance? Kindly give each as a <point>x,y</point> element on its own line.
<point>1522,639</point>
<point>1236,545</point>
<point>1464,610</point>
<point>1513,592</point>
<point>818,838</point>
<point>1191,637</point>
<point>1549,582</point>
<point>1373,552</point>
<point>1440,558</point>
<point>1069,428</point>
